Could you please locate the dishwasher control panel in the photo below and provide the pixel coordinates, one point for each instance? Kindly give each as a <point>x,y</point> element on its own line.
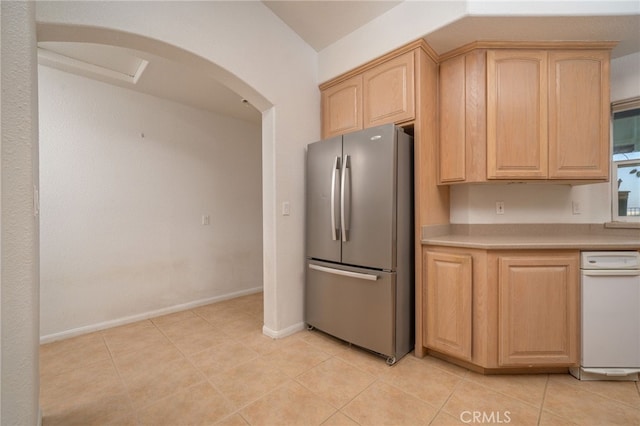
<point>610,260</point>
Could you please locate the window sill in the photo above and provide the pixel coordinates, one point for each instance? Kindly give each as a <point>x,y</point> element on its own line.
<point>622,225</point>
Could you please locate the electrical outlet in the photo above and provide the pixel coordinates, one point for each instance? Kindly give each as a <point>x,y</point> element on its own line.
<point>206,220</point>
<point>575,206</point>
<point>499,207</point>
<point>286,208</point>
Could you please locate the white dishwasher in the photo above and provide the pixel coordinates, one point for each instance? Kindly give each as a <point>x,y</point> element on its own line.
<point>610,316</point>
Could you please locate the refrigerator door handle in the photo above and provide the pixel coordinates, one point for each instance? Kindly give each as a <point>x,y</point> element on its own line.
<point>358,275</point>
<point>343,205</point>
<point>335,170</point>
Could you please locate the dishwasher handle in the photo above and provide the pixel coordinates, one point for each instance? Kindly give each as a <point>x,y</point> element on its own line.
<point>611,273</point>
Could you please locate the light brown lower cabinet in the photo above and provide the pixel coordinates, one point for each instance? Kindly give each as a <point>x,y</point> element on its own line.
<point>502,309</point>
<point>538,301</point>
<point>448,303</point>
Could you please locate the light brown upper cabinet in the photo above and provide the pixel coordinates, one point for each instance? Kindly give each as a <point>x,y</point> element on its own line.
<point>579,114</point>
<point>384,93</point>
<point>388,92</point>
<point>525,114</point>
<point>342,107</point>
<point>516,114</point>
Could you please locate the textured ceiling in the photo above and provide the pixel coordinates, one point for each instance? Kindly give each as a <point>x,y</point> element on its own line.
<point>321,23</point>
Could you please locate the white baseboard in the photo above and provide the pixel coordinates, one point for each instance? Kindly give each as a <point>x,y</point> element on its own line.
<point>145,315</point>
<point>284,332</point>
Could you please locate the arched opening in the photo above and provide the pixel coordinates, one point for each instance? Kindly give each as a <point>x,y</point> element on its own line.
<point>174,276</point>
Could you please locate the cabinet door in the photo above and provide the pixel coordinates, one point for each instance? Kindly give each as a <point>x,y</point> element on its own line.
<point>462,147</point>
<point>517,114</point>
<point>452,143</point>
<point>342,108</point>
<point>579,115</point>
<point>447,303</point>
<point>538,310</point>
<point>389,92</point>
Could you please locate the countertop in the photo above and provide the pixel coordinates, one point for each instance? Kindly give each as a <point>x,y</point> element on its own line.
<point>532,236</point>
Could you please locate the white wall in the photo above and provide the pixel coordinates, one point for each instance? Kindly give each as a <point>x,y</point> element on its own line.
<point>625,77</point>
<point>126,179</point>
<point>530,203</point>
<point>19,379</point>
<point>257,53</point>
<point>408,21</point>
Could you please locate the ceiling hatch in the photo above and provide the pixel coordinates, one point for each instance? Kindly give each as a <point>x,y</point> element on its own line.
<point>95,60</point>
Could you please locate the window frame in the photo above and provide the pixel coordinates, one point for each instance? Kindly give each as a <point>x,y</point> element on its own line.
<point>630,221</point>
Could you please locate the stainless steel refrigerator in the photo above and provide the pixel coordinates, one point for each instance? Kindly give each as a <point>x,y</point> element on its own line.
<point>359,239</point>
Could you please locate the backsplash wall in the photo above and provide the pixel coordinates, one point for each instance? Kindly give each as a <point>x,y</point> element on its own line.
<point>530,203</point>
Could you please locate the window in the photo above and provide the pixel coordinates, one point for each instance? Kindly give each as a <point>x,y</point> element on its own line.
<point>626,161</point>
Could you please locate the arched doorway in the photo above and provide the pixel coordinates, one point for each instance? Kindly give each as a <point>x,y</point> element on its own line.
<point>102,36</point>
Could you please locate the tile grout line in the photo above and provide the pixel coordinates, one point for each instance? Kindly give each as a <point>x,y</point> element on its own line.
<point>604,395</point>
<point>337,410</point>
<point>205,379</point>
<point>132,407</point>
<point>200,372</point>
<point>508,395</point>
<point>577,387</point>
<point>455,388</point>
<point>544,397</point>
<point>349,347</point>
<point>208,380</point>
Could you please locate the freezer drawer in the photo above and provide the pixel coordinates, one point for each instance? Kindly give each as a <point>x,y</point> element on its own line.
<point>354,304</point>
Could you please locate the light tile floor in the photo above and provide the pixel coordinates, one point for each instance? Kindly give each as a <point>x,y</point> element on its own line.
<point>212,365</point>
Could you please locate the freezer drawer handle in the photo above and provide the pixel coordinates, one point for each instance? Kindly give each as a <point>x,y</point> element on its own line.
<point>334,171</point>
<point>350,274</point>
